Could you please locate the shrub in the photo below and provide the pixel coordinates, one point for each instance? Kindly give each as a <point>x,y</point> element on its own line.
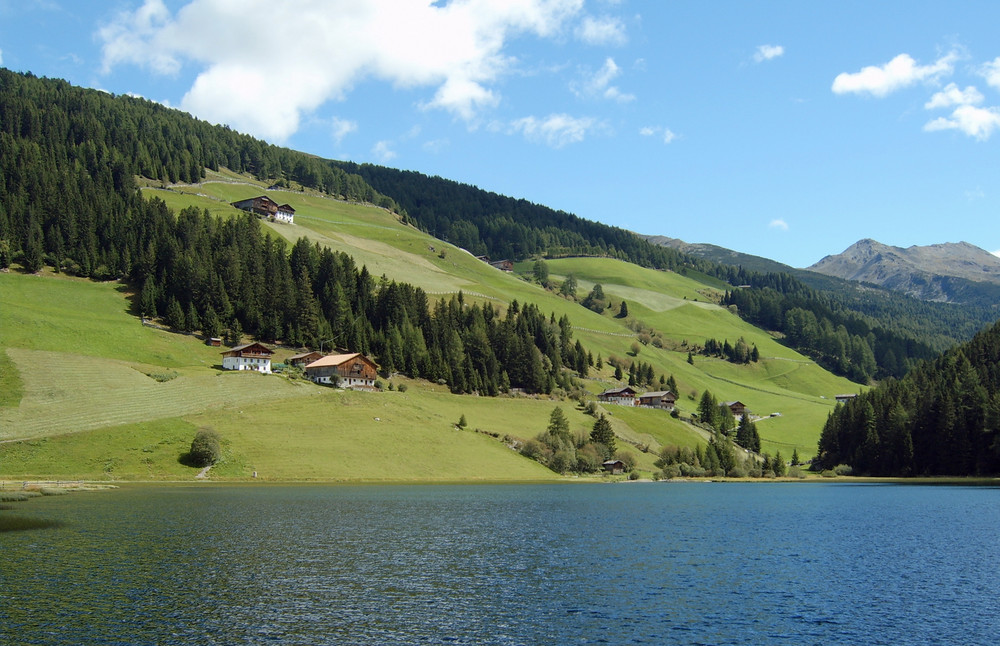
<point>671,471</point>
<point>633,475</point>
<point>843,470</point>
<point>402,388</point>
<point>691,471</point>
<point>533,449</point>
<point>737,472</point>
<point>205,448</point>
<point>563,461</point>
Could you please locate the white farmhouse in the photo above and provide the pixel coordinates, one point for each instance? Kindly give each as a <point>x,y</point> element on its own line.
<point>252,356</point>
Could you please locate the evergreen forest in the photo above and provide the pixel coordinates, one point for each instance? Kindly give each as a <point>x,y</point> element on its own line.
<point>943,418</point>
<point>69,162</point>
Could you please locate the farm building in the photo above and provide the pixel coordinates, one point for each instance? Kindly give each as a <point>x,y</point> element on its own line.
<point>252,356</point>
<point>265,207</point>
<point>843,399</point>
<point>346,370</point>
<point>738,408</point>
<point>261,205</point>
<point>614,467</point>
<point>658,399</point>
<point>285,213</point>
<point>622,396</point>
<point>304,359</point>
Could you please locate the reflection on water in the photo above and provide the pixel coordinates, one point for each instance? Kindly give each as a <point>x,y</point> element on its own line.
<point>638,563</point>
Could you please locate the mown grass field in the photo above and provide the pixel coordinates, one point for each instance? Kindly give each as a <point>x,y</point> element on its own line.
<point>89,392</point>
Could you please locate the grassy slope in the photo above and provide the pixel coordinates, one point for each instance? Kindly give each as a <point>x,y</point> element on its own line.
<point>75,368</point>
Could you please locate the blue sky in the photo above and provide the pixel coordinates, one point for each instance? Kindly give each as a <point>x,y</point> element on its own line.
<point>784,129</point>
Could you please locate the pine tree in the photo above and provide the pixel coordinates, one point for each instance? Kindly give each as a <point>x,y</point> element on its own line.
<point>602,433</point>
<point>559,424</point>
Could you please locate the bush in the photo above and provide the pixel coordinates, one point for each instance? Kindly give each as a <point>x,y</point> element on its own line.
<point>205,448</point>
<point>633,475</point>
<point>563,461</point>
<point>671,471</point>
<point>796,472</point>
<point>843,470</point>
<point>737,472</point>
<point>402,388</point>
<point>691,471</point>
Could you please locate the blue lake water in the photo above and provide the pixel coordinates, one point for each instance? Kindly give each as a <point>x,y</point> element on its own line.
<point>656,563</point>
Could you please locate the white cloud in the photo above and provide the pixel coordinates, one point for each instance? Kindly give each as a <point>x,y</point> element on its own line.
<point>996,253</point>
<point>383,152</point>
<point>341,128</point>
<point>900,72</point>
<point>767,52</point>
<point>555,130</point>
<point>991,72</point>
<point>605,30</point>
<point>974,195</point>
<point>778,223</point>
<point>599,84</point>
<point>975,122</point>
<point>951,96</point>
<point>666,134</point>
<point>1,57</point>
<point>313,51</point>
<point>435,146</point>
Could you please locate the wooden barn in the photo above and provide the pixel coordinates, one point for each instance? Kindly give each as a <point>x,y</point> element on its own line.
<point>304,359</point>
<point>261,205</point>
<point>345,370</point>
<point>738,408</point>
<point>614,467</point>
<point>658,399</point>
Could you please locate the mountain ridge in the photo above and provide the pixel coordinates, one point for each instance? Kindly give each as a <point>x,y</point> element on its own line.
<point>952,272</point>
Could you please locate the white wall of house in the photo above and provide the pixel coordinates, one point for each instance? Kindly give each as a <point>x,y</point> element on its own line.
<point>284,216</point>
<point>247,363</point>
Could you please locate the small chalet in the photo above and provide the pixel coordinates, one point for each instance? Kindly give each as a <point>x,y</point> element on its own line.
<point>621,396</point>
<point>346,370</point>
<point>252,356</point>
<point>285,213</point>
<point>843,399</point>
<point>304,359</point>
<point>502,265</point>
<point>261,205</point>
<point>658,399</point>
<point>738,408</point>
<point>614,467</point>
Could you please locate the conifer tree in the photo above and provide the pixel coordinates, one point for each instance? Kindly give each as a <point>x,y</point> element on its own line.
<point>602,433</point>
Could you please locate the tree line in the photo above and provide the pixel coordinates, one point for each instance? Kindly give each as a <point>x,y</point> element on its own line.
<point>943,418</point>
<point>232,278</point>
<point>69,157</point>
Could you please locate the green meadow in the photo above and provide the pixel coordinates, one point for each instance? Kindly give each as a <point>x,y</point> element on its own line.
<point>87,391</point>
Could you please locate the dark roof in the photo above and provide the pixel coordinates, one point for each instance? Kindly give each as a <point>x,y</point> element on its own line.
<point>617,391</point>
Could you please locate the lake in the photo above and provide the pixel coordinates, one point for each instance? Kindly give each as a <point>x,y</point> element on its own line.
<point>640,563</point>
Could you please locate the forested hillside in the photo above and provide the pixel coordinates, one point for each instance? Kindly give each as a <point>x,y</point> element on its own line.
<point>68,199</point>
<point>69,158</point>
<point>943,418</point>
<point>863,335</point>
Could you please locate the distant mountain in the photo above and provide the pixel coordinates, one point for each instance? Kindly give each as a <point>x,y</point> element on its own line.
<point>950,272</point>
<point>715,253</point>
